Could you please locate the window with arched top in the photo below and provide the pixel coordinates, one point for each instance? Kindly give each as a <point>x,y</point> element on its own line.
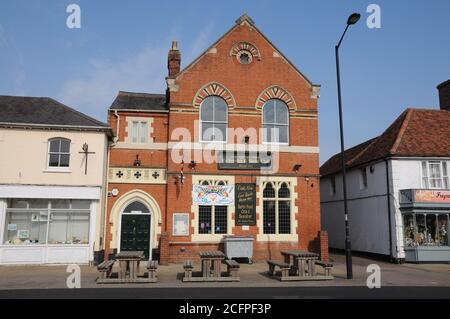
<point>277,208</point>
<point>58,152</point>
<point>136,207</point>
<point>275,122</point>
<point>213,119</point>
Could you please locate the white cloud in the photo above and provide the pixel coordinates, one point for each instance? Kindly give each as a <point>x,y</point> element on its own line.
<point>144,72</point>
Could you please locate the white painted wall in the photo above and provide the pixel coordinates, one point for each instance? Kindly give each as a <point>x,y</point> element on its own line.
<point>368,213</point>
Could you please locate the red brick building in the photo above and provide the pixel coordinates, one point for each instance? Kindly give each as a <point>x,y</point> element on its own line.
<point>230,149</point>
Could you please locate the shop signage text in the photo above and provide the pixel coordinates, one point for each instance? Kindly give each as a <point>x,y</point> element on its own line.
<point>245,204</point>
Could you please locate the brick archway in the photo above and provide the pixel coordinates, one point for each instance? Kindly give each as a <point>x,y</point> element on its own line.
<point>275,92</point>
<point>215,89</point>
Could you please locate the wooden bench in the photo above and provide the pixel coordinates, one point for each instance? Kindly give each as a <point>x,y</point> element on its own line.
<point>105,268</point>
<point>151,267</point>
<point>282,265</point>
<point>326,266</point>
<point>232,268</point>
<point>188,267</point>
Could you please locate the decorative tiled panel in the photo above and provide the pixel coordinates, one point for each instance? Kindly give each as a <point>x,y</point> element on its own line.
<point>136,175</point>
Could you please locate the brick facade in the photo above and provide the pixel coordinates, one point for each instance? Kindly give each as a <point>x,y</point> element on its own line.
<point>244,87</point>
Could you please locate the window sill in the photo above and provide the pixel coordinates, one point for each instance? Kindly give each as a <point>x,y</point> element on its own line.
<point>57,170</point>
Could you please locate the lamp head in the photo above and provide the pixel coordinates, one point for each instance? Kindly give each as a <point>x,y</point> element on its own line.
<point>353,18</point>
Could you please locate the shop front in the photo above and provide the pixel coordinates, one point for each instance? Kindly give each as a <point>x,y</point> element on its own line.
<point>47,225</point>
<point>426,215</point>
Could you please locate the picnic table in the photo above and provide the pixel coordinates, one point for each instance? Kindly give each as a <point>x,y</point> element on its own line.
<point>303,262</point>
<point>211,262</point>
<point>129,262</point>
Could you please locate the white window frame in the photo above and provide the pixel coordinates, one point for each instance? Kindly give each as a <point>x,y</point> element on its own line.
<point>57,168</point>
<point>276,186</point>
<point>139,133</point>
<point>426,178</point>
<point>265,123</point>
<point>213,122</point>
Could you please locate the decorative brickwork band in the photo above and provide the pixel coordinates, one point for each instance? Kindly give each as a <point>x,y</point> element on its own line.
<point>323,246</point>
<point>214,89</point>
<point>164,249</point>
<point>275,92</point>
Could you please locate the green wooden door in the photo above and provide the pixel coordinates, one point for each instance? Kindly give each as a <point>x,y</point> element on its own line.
<point>135,233</point>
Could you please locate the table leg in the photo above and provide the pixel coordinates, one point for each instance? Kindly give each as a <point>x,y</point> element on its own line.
<point>287,259</point>
<point>301,267</point>
<point>295,266</point>
<point>311,268</point>
<point>122,269</point>
<point>217,264</point>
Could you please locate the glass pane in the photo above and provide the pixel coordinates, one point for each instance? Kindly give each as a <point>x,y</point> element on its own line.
<point>284,191</point>
<point>269,191</point>
<point>267,133</point>
<point>136,208</point>
<point>269,217</point>
<point>64,160</point>
<point>25,228</point>
<point>284,217</point>
<point>408,230</point>
<point>81,204</point>
<point>281,134</point>
<point>220,219</point>
<point>281,112</point>
<point>78,228</point>
<point>431,230</point>
<point>220,132</point>
<point>59,225</point>
<point>220,109</point>
<point>204,219</point>
<point>134,132</point>
<point>54,146</point>
<point>65,146</point>
<point>269,112</point>
<point>144,132</point>
<point>442,239</point>
<point>424,169</point>
<point>207,132</point>
<point>38,203</point>
<point>207,109</point>
<point>53,160</point>
<point>421,229</point>
<point>435,170</point>
<point>444,168</point>
<point>60,204</point>
<point>18,203</point>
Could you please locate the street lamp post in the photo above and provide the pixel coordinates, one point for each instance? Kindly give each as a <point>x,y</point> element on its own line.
<point>352,19</point>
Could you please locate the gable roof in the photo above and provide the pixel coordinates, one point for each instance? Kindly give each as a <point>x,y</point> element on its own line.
<point>242,20</point>
<point>43,111</point>
<point>415,133</point>
<point>139,101</point>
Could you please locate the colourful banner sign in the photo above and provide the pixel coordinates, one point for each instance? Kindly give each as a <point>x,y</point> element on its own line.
<point>213,195</point>
<point>431,196</point>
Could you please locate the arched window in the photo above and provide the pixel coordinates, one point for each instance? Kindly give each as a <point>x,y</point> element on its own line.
<point>277,208</point>
<point>136,207</point>
<point>58,152</point>
<point>275,122</point>
<point>213,119</point>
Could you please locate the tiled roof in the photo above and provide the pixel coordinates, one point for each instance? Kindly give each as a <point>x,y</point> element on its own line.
<point>415,133</point>
<point>139,101</point>
<point>24,110</point>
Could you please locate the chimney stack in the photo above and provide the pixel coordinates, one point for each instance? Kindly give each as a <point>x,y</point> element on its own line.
<point>444,95</point>
<point>174,60</point>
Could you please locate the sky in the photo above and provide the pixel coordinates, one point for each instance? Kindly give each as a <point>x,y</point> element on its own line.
<point>123,45</point>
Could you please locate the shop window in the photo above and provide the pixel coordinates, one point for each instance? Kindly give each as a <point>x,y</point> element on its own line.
<point>277,208</point>
<point>435,175</point>
<point>39,221</point>
<point>58,152</point>
<point>426,229</point>
<point>213,119</point>
<point>275,122</point>
<point>139,132</point>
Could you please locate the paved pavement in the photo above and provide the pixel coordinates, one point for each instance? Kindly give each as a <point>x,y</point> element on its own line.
<point>392,275</point>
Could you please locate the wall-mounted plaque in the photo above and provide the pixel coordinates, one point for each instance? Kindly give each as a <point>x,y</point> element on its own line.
<point>236,160</point>
<point>245,204</point>
<point>180,225</point>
